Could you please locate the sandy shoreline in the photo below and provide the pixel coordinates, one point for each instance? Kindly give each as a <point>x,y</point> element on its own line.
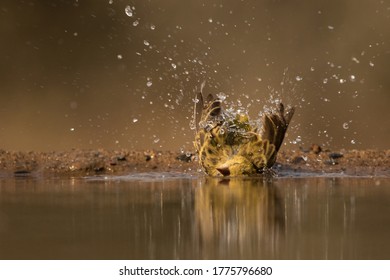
<point>77,163</point>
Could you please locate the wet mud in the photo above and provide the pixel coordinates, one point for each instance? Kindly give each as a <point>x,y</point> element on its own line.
<point>74,163</point>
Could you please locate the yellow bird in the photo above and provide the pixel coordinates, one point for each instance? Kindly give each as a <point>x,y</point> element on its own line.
<point>230,145</point>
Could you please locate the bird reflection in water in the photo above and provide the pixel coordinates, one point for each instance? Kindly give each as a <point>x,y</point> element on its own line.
<point>238,217</point>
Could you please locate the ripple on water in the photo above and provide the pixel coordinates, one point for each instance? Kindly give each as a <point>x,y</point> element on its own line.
<point>146,176</point>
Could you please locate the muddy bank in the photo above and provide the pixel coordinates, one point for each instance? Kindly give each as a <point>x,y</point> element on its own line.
<point>77,163</point>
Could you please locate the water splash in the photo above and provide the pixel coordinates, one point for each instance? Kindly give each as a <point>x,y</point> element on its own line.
<point>129,11</point>
<point>181,69</point>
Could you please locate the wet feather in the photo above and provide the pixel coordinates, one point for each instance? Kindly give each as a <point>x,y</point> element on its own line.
<point>229,146</point>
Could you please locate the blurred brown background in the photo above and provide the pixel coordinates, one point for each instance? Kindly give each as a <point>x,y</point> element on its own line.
<point>100,74</point>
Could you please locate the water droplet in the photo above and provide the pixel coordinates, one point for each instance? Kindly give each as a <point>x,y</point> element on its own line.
<point>156,140</point>
<point>192,125</point>
<point>371,64</point>
<point>330,27</point>
<point>149,83</point>
<point>135,120</point>
<point>153,27</point>
<point>110,2</point>
<point>298,78</point>
<point>342,81</point>
<point>135,23</point>
<point>353,142</point>
<point>119,56</point>
<point>73,105</point>
<point>173,65</point>
<point>210,20</point>
<point>352,78</point>
<point>345,125</point>
<point>129,11</point>
<point>325,81</point>
<point>146,43</point>
<point>221,96</point>
<point>72,129</point>
<point>354,59</point>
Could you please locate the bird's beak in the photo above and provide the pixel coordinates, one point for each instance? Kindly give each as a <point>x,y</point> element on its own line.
<point>224,170</point>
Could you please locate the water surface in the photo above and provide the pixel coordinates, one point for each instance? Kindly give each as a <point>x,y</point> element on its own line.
<point>163,216</point>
